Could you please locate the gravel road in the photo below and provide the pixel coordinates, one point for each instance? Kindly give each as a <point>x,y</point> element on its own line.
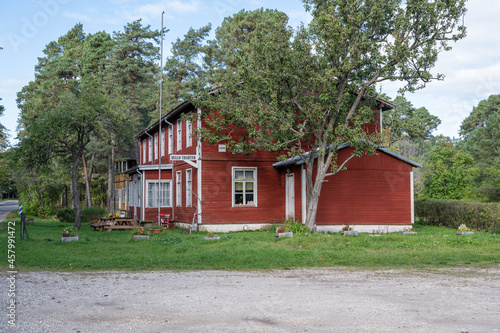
<point>302,300</point>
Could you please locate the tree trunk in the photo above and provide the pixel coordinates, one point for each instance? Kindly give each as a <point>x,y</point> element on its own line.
<point>111,179</point>
<point>64,199</point>
<point>76,194</point>
<point>88,176</point>
<point>314,190</point>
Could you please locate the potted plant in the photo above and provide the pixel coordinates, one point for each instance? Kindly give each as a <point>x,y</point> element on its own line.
<point>347,230</point>
<point>69,234</point>
<point>464,230</point>
<point>408,231</point>
<point>155,228</point>
<point>211,236</point>
<point>138,233</point>
<point>282,231</point>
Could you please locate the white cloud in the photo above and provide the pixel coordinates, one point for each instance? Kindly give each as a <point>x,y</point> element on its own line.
<point>77,16</point>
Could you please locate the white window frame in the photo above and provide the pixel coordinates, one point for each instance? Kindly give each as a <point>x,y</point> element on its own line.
<point>189,131</point>
<point>234,180</point>
<point>156,146</point>
<point>162,141</point>
<point>154,204</point>
<point>178,189</point>
<point>150,144</point>
<point>144,144</point>
<point>179,134</point>
<point>189,187</point>
<point>170,140</point>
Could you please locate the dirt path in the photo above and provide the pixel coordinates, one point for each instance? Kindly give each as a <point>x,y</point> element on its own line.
<point>304,300</point>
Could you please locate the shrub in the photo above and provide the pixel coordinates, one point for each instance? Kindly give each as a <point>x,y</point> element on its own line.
<point>296,227</point>
<point>65,214</point>
<point>92,213</point>
<point>453,213</point>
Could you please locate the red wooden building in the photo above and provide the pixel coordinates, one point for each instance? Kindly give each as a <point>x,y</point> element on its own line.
<point>220,191</point>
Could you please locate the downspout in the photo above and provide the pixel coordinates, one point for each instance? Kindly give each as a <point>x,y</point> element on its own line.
<point>381,115</point>
<point>172,183</point>
<point>141,195</point>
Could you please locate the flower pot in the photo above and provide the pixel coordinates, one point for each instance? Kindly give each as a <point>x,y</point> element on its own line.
<point>465,233</point>
<point>69,239</point>
<point>211,238</point>
<point>349,232</point>
<point>140,236</point>
<point>156,231</point>
<point>283,234</point>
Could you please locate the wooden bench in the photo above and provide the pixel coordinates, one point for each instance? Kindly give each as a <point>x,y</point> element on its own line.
<point>109,223</point>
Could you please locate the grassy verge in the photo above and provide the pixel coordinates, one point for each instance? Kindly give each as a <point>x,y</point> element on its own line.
<point>115,250</point>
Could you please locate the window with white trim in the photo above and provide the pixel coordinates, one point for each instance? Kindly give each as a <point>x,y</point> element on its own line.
<point>179,134</point>
<point>155,197</point>
<point>189,188</point>
<point>144,151</point>
<point>170,140</point>
<point>162,141</point>
<point>150,144</point>
<point>244,186</point>
<point>178,189</point>
<point>156,146</point>
<point>189,131</point>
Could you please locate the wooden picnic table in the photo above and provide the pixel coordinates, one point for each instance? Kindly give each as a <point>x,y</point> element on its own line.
<point>114,223</point>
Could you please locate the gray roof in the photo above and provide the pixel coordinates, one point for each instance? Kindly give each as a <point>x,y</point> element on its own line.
<point>297,160</point>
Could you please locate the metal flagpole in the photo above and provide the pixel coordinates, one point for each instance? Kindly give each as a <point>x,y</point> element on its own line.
<point>160,143</point>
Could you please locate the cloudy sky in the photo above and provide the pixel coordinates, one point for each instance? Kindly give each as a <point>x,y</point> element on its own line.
<point>472,68</point>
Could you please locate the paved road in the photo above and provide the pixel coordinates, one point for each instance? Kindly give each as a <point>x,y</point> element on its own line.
<point>6,207</point>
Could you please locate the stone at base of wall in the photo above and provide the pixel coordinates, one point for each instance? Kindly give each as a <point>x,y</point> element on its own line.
<point>366,228</point>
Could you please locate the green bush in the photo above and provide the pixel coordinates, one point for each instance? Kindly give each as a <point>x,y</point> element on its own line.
<point>296,227</point>
<point>452,213</point>
<point>88,214</point>
<point>65,214</point>
<point>92,213</point>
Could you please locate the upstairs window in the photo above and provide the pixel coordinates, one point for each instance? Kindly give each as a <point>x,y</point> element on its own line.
<point>156,146</point>
<point>170,140</point>
<point>162,141</point>
<point>150,146</point>
<point>189,132</point>
<point>179,134</point>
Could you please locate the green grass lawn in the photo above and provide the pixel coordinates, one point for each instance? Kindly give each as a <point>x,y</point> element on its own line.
<point>115,250</point>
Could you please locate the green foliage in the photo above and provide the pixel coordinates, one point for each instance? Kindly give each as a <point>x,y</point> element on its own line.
<point>296,227</point>
<point>451,213</point>
<point>3,132</point>
<point>92,213</point>
<point>449,173</point>
<point>185,69</point>
<point>66,214</point>
<point>407,122</point>
<point>481,134</point>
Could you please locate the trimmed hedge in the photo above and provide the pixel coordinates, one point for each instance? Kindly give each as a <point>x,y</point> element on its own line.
<point>452,213</point>
<point>88,214</point>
